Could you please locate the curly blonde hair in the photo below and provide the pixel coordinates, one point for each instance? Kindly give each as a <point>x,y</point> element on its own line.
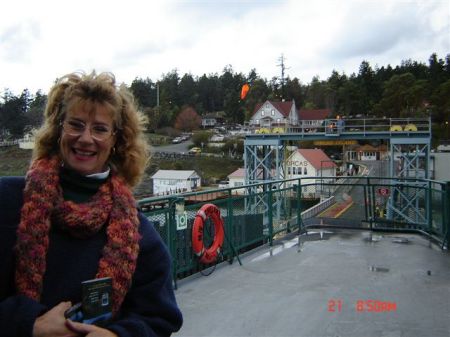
<point>131,153</point>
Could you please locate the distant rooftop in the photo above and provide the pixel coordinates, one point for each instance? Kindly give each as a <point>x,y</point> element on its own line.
<point>314,114</point>
<point>317,158</point>
<point>283,107</point>
<point>239,173</point>
<point>174,174</point>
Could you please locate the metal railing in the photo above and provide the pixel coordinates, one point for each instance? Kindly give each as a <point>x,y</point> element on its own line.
<point>331,127</point>
<point>279,207</point>
<point>9,143</point>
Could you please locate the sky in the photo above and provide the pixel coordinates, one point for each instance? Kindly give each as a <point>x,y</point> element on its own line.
<point>43,40</point>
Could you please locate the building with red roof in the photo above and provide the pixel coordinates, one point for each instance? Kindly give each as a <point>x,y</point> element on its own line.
<point>309,163</point>
<point>236,179</point>
<point>274,114</point>
<point>313,118</point>
<point>314,114</point>
<point>366,152</point>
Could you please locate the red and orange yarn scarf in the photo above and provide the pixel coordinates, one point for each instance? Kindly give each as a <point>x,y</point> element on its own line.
<point>113,205</point>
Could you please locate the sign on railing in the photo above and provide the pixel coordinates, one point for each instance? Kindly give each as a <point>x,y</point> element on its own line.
<point>180,215</point>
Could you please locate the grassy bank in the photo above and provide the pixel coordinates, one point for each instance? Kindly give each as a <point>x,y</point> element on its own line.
<point>15,161</point>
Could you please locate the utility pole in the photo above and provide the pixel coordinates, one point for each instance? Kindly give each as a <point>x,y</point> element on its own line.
<point>157,94</point>
<point>283,68</point>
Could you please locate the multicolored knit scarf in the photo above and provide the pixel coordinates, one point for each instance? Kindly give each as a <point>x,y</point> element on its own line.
<point>112,206</point>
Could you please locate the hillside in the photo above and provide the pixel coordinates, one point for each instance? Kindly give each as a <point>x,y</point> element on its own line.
<point>211,170</point>
<point>15,161</point>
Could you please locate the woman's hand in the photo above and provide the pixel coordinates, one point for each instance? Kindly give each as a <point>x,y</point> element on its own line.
<point>53,323</point>
<point>89,330</point>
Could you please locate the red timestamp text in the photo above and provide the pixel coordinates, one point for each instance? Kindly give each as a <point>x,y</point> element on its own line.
<point>337,305</point>
<point>375,306</point>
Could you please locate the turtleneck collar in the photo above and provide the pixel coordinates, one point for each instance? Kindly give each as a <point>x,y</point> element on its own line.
<point>79,188</point>
<point>101,175</point>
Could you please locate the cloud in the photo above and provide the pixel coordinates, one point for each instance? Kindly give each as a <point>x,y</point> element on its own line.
<point>40,41</point>
<point>16,42</point>
<point>378,29</point>
<point>382,32</point>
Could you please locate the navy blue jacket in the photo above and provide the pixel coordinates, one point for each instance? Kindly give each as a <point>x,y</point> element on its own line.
<point>149,308</point>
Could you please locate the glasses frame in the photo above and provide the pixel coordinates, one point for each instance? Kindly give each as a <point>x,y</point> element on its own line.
<point>112,133</point>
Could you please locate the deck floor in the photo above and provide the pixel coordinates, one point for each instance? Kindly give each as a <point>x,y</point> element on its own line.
<point>286,292</point>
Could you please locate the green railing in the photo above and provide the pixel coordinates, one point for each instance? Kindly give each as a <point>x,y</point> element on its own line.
<point>259,213</point>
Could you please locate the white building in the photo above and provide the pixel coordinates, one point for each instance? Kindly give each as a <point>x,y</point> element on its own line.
<point>366,152</point>
<point>175,181</point>
<point>439,166</point>
<point>236,179</point>
<point>272,114</point>
<point>27,142</point>
<point>212,119</point>
<point>306,163</point>
<point>313,119</point>
<point>302,163</point>
<point>310,165</point>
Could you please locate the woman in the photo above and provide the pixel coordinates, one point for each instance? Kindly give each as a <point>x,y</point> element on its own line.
<point>74,219</point>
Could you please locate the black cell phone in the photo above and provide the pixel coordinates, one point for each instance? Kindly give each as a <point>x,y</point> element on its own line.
<point>74,313</point>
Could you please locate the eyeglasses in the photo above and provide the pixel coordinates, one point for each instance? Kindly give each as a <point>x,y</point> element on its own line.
<point>99,132</point>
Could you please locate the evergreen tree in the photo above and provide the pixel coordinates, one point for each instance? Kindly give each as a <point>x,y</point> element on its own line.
<point>188,92</point>
<point>410,89</point>
<point>436,72</point>
<point>144,91</point>
<point>35,113</point>
<point>440,101</point>
<point>316,94</point>
<point>403,96</point>
<point>293,91</point>
<point>366,82</point>
<point>13,114</point>
<point>231,85</point>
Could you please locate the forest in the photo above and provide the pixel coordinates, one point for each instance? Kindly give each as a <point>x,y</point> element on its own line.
<point>411,89</point>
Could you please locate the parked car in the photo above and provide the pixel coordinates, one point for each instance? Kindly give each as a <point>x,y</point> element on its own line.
<point>220,129</point>
<point>223,184</point>
<point>217,138</point>
<point>195,151</point>
<point>185,136</point>
<point>177,140</point>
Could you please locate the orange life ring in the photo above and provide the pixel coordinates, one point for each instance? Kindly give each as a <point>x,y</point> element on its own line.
<point>207,255</point>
